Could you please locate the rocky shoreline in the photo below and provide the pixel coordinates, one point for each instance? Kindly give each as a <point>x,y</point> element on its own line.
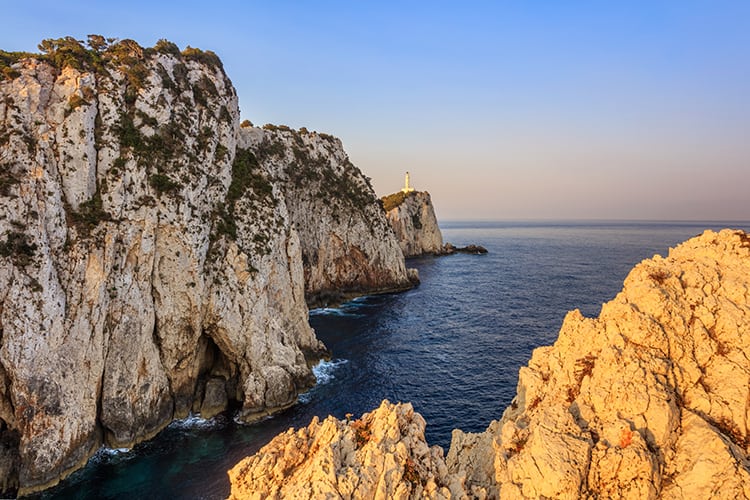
<point>649,400</point>
<point>156,256</point>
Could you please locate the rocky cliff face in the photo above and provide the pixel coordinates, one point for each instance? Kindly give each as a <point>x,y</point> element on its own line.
<point>649,400</point>
<point>347,247</point>
<point>150,266</point>
<point>381,455</point>
<point>412,218</point>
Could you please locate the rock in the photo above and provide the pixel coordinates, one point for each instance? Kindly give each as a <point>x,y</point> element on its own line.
<point>649,400</point>
<point>348,248</point>
<point>450,249</point>
<point>412,218</point>
<point>153,256</point>
<point>215,398</point>
<point>381,455</point>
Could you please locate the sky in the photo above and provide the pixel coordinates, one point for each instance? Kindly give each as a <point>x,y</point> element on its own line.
<point>501,110</point>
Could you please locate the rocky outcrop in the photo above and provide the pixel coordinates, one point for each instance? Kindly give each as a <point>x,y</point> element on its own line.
<point>412,218</point>
<point>450,249</point>
<point>649,400</point>
<point>348,248</point>
<point>381,455</point>
<point>153,256</point>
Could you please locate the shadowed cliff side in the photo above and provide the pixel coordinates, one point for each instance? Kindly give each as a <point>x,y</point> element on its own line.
<point>649,400</point>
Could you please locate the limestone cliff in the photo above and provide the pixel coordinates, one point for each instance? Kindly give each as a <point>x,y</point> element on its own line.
<point>649,400</point>
<point>412,218</point>
<point>150,267</point>
<point>347,246</point>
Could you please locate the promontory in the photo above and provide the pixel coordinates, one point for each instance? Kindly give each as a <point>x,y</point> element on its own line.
<point>649,400</point>
<point>157,258</point>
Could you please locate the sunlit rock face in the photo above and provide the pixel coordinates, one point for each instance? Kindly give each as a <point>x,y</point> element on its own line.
<point>381,455</point>
<point>412,218</point>
<point>649,400</point>
<point>154,256</point>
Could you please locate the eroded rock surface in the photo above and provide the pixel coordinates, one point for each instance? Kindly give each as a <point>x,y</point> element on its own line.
<point>412,218</point>
<point>149,265</point>
<point>649,400</point>
<point>381,455</point>
<point>347,246</point>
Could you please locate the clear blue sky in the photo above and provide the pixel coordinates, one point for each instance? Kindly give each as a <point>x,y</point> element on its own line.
<point>502,110</point>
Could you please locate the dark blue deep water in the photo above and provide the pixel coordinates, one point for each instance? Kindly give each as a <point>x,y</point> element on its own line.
<point>452,347</point>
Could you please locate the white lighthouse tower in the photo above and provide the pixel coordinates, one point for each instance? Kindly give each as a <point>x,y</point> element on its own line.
<point>406,188</point>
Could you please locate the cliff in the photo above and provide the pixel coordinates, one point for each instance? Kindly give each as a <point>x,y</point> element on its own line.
<point>151,261</point>
<point>347,246</point>
<point>649,400</point>
<point>412,218</point>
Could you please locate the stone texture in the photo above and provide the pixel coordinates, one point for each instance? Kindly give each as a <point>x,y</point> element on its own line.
<point>649,400</point>
<point>150,266</point>
<point>347,246</point>
<point>381,455</point>
<point>414,223</point>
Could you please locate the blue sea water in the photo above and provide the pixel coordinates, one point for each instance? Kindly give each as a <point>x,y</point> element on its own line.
<point>452,347</point>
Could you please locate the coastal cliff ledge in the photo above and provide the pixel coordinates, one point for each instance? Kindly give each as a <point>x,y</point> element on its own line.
<point>649,400</point>
<point>156,257</point>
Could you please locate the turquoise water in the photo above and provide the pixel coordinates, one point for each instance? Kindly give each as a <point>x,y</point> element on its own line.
<point>452,347</point>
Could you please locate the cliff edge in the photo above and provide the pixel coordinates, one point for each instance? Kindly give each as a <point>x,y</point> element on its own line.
<point>155,257</point>
<point>649,400</point>
<point>412,218</point>
<point>348,248</point>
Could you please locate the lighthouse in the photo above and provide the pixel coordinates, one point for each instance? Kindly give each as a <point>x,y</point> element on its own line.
<point>406,188</point>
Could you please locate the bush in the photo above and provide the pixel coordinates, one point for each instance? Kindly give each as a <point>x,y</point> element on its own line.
<point>246,124</point>
<point>67,51</point>
<point>7,59</point>
<point>202,56</point>
<point>162,183</point>
<point>75,101</point>
<point>90,213</point>
<point>164,46</point>
<point>17,247</point>
<point>393,200</point>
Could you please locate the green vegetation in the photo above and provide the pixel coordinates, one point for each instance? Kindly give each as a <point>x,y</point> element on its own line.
<point>270,147</point>
<point>221,152</point>
<point>246,177</point>
<point>206,57</point>
<point>17,247</point>
<point>394,200</point>
<point>273,128</point>
<point>74,102</point>
<point>7,59</point>
<point>162,183</point>
<point>90,213</point>
<point>164,46</point>
<point>416,221</point>
<point>7,179</point>
<point>67,51</point>
<point>246,174</point>
<point>156,149</point>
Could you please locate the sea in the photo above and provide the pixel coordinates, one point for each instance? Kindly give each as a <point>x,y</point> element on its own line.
<point>451,347</point>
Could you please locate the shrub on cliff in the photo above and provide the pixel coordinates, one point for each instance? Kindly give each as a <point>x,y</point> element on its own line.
<point>393,200</point>
<point>7,59</point>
